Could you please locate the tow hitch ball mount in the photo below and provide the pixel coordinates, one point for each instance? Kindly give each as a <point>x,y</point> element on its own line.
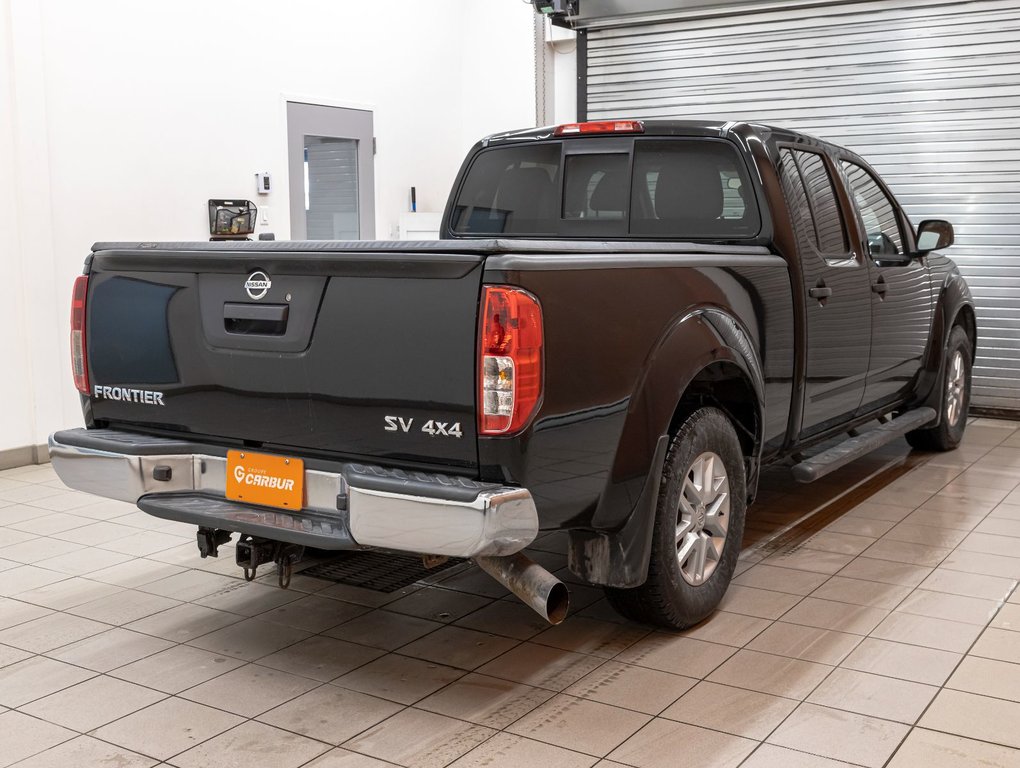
<point>252,552</point>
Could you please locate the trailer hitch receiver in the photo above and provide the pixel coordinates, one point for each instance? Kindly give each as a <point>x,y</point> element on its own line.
<point>209,540</point>
<point>251,552</point>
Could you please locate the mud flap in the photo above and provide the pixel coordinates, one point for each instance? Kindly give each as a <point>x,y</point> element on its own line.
<point>620,558</point>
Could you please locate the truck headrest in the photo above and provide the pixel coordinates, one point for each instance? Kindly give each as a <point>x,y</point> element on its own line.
<point>524,193</point>
<point>689,191</point>
<point>611,192</point>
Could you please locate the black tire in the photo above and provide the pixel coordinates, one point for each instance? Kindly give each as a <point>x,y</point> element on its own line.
<point>952,422</point>
<point>669,598</point>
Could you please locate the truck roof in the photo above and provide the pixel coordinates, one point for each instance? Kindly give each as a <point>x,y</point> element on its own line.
<point>707,128</point>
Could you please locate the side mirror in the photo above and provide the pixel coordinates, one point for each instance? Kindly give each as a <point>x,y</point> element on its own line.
<point>933,235</point>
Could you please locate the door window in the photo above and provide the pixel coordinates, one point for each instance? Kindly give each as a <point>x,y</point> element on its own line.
<point>878,213</point>
<point>811,196</point>
<point>331,188</point>
<point>797,202</point>
<point>822,196</point>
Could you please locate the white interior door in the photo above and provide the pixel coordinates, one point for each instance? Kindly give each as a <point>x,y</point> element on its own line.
<point>331,172</point>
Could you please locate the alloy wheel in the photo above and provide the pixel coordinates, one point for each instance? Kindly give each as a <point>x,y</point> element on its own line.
<point>956,381</point>
<point>703,518</point>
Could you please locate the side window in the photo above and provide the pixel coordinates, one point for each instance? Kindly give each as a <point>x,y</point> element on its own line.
<point>796,200</point>
<point>812,199</point>
<point>877,212</point>
<point>822,196</point>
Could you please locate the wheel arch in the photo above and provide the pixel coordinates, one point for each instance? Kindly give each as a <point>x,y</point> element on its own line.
<point>966,318</point>
<point>727,386</point>
<point>707,357</point>
<point>954,307</point>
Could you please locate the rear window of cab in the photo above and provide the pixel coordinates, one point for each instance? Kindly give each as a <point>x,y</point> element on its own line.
<point>695,189</point>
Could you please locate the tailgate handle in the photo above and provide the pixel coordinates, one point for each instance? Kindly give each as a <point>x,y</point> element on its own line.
<point>259,319</point>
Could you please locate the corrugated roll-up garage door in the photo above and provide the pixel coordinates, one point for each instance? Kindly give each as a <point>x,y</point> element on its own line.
<point>927,92</point>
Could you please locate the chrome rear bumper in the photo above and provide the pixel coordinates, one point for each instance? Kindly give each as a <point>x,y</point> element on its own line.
<point>355,506</point>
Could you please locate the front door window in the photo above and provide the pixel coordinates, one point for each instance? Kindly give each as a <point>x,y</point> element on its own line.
<point>877,213</point>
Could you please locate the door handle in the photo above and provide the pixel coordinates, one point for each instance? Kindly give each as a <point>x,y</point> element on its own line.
<point>820,292</point>
<point>880,287</point>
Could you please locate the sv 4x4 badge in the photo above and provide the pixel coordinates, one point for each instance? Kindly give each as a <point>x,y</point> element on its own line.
<point>430,427</point>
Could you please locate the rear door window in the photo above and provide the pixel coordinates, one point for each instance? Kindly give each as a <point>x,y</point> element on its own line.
<point>811,197</point>
<point>822,196</point>
<point>797,201</point>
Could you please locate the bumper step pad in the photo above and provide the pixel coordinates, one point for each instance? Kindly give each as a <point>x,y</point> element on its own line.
<point>309,529</point>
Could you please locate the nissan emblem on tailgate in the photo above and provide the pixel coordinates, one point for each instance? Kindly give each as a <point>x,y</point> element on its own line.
<point>257,285</point>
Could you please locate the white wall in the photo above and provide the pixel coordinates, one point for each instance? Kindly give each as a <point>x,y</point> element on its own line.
<point>564,47</point>
<point>127,116</point>
<point>16,419</point>
<point>29,386</point>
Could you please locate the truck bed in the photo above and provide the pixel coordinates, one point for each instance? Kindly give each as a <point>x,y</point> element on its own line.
<point>371,332</point>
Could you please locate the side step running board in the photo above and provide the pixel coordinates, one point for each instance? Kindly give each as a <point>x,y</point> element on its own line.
<point>832,459</point>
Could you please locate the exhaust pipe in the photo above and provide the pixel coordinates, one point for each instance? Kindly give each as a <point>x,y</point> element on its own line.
<point>533,584</point>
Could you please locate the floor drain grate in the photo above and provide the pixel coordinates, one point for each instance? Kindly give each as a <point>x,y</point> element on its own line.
<point>380,571</point>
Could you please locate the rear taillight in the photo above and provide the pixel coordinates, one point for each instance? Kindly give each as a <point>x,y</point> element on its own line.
<point>79,362</point>
<point>510,356</point>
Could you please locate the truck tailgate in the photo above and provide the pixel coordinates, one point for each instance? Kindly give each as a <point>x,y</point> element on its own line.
<point>341,353</point>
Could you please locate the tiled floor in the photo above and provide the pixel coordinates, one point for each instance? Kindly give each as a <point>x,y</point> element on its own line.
<point>874,621</point>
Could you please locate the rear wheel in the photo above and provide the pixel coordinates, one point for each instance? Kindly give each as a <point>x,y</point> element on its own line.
<point>955,399</point>
<point>699,524</point>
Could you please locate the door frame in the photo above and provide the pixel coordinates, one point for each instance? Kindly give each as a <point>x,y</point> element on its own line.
<point>366,198</point>
<point>837,264</point>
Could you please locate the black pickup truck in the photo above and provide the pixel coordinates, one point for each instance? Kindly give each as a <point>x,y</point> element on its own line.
<point>623,322</point>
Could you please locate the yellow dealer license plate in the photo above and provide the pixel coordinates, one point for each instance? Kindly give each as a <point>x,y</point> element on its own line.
<point>258,478</point>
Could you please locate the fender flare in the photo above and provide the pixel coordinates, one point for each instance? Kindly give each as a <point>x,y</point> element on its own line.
<point>954,298</point>
<point>617,550</point>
